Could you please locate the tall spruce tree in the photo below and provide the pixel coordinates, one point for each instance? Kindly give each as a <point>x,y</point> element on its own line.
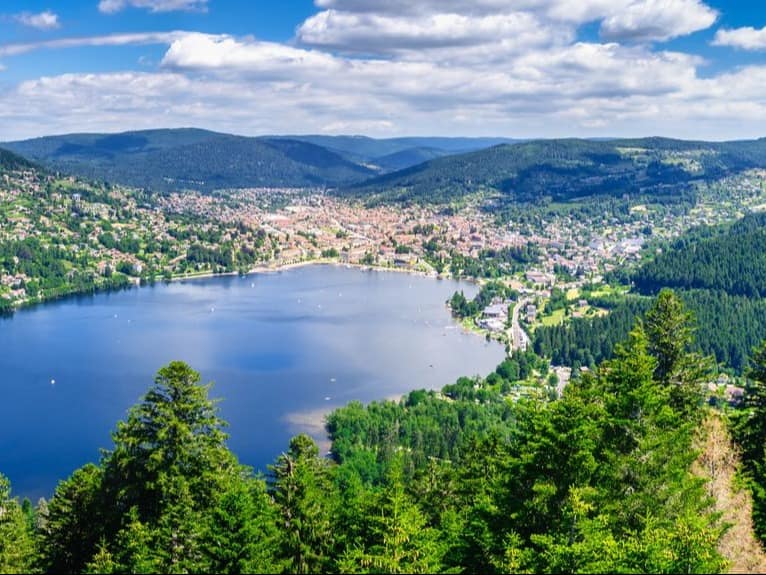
<point>305,497</point>
<point>670,332</point>
<point>16,541</point>
<point>749,426</point>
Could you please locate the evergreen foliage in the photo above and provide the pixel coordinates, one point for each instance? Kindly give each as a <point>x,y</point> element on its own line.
<point>465,480</point>
<point>563,170</point>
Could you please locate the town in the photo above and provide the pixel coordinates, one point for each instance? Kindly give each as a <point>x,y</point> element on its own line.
<point>102,232</point>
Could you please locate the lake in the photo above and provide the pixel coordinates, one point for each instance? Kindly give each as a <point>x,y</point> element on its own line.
<point>283,349</point>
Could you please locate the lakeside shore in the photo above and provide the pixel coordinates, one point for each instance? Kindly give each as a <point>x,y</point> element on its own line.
<point>262,268</point>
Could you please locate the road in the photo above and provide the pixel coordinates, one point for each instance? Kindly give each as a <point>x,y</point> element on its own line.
<point>518,337</point>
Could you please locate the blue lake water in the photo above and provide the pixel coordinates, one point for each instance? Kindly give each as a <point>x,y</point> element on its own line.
<point>283,349</point>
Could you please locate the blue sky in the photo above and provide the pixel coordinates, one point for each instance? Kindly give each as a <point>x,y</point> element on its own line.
<point>517,68</point>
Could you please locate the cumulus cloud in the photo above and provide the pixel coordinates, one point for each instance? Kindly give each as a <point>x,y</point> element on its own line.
<point>402,25</point>
<point>248,86</point>
<point>485,67</point>
<point>390,33</point>
<point>42,21</point>
<point>109,40</point>
<point>648,20</point>
<point>747,38</point>
<point>112,6</point>
<point>606,91</point>
<point>198,51</point>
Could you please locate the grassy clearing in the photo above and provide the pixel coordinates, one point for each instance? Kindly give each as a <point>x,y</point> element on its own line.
<point>556,318</point>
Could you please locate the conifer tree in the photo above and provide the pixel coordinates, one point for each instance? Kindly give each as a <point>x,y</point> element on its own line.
<point>303,493</point>
<point>16,542</point>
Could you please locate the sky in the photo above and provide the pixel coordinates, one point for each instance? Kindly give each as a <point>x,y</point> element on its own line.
<point>693,69</point>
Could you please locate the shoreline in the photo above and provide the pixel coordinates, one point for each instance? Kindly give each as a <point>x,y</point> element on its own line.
<point>269,269</point>
<point>259,269</point>
<point>312,422</point>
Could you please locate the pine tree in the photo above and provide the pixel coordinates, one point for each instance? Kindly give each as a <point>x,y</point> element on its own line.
<point>171,443</point>
<point>303,493</point>
<point>73,523</point>
<point>241,530</point>
<point>749,426</point>
<point>669,327</point>
<point>402,542</point>
<point>17,550</point>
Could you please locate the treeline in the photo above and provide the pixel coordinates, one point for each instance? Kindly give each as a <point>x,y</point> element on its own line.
<point>719,272</point>
<point>429,424</point>
<point>462,307</point>
<point>494,263</point>
<point>52,271</point>
<point>727,327</point>
<point>597,481</point>
<point>749,431</point>
<point>728,259</point>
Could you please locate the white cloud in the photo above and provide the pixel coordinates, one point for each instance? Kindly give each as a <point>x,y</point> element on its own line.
<point>42,21</point>
<point>443,67</point>
<point>254,87</point>
<point>209,52</point>
<point>386,33</point>
<point>110,40</point>
<point>747,38</point>
<point>650,20</point>
<point>398,26</point>
<point>112,6</point>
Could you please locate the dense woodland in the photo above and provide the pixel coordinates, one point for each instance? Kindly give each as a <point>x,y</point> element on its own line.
<point>719,272</point>
<point>186,158</point>
<point>458,481</point>
<point>168,160</point>
<point>564,170</point>
<point>731,259</point>
<point>533,171</point>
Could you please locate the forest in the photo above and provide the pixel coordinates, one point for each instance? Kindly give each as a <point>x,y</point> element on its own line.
<point>171,160</point>
<point>567,169</point>
<point>720,274</point>
<point>461,481</point>
<point>731,259</point>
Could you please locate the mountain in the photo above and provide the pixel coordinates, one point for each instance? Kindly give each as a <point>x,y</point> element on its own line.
<point>408,157</point>
<point>166,160</point>
<point>189,158</point>
<point>392,154</point>
<point>561,170</point>
<point>371,150</point>
<point>11,161</point>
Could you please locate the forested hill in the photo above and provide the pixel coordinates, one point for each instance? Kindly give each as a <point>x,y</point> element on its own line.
<point>374,149</point>
<point>719,272</point>
<point>166,160</point>
<point>11,161</point>
<point>565,169</point>
<point>189,158</point>
<point>728,258</point>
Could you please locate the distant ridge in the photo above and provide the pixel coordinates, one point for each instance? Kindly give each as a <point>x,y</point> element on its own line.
<point>395,169</point>
<point>166,160</point>
<point>11,161</point>
<point>190,158</point>
<point>370,148</point>
<point>564,169</point>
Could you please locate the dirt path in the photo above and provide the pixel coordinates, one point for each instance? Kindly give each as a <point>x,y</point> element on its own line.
<point>718,463</point>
